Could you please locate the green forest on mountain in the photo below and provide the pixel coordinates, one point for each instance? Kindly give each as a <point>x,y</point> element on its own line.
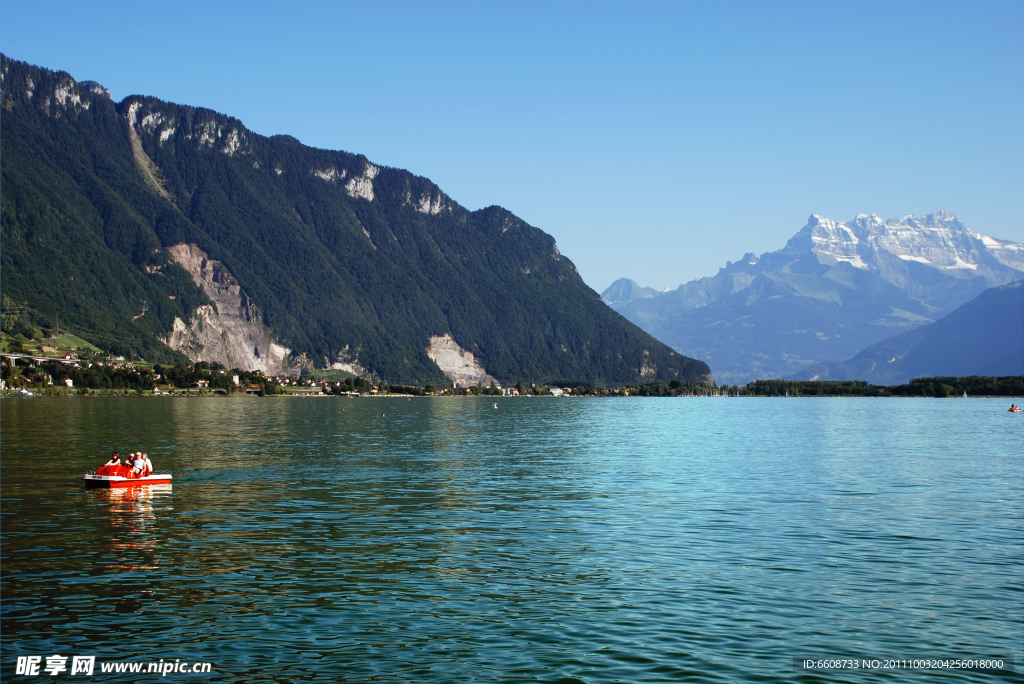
<point>336,275</point>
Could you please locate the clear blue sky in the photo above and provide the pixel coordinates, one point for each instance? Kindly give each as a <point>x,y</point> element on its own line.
<point>653,140</point>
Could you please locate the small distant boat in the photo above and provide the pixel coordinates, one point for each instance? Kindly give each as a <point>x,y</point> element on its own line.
<point>1014,409</point>
<point>116,477</point>
<point>494,405</point>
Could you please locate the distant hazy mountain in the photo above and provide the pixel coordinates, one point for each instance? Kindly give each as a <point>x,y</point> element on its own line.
<point>985,336</point>
<point>166,230</point>
<point>834,289</point>
<point>623,291</point>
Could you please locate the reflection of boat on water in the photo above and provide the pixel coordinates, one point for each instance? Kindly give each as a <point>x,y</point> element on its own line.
<point>133,517</point>
<point>111,477</point>
<point>135,499</point>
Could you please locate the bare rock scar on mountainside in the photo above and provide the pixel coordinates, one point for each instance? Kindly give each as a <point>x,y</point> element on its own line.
<point>458,364</point>
<point>146,166</point>
<point>348,361</point>
<point>233,332</point>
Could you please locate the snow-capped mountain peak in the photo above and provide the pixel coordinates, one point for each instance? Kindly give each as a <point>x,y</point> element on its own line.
<point>834,289</point>
<point>938,240</point>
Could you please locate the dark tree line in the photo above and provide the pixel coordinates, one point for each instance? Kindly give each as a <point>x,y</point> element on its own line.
<point>98,377</point>
<point>1006,386</point>
<point>107,376</point>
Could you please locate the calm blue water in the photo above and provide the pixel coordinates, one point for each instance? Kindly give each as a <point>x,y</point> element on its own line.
<point>590,540</point>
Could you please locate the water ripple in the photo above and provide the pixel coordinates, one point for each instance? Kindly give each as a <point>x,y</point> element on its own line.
<point>554,540</point>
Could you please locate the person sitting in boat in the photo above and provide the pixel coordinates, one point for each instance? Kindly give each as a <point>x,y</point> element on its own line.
<point>111,467</point>
<point>148,465</point>
<point>138,464</point>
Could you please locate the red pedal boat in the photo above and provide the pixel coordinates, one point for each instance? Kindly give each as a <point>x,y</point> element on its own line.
<point>121,476</point>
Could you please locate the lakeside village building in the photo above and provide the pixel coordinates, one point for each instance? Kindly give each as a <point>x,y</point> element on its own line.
<point>305,386</point>
<point>68,359</point>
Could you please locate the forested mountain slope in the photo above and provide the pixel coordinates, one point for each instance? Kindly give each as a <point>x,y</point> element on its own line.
<point>338,260</point>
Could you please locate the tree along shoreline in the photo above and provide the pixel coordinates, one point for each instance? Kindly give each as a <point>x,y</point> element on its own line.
<point>206,379</point>
<point>941,386</point>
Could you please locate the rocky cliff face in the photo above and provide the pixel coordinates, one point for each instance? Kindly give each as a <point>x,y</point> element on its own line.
<point>231,331</point>
<point>455,362</point>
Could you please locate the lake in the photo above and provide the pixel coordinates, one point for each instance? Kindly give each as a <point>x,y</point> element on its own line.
<point>569,540</point>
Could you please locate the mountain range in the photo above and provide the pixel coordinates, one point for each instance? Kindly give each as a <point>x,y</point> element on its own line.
<point>985,337</point>
<point>833,290</point>
<point>170,231</point>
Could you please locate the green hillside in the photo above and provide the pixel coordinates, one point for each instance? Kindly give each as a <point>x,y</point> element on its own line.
<point>341,257</point>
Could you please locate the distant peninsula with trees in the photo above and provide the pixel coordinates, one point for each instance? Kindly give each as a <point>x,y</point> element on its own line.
<point>974,385</point>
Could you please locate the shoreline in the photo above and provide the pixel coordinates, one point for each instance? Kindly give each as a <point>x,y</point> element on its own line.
<point>247,395</point>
